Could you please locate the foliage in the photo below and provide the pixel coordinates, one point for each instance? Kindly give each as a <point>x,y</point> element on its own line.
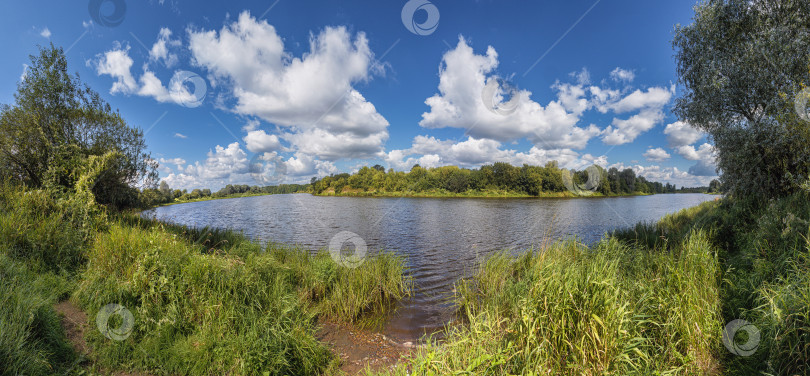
<point>501,178</point>
<point>165,195</point>
<point>742,64</point>
<point>56,123</point>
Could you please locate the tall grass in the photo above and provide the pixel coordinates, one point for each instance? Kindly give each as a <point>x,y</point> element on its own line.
<point>573,310</point>
<point>32,341</point>
<point>234,310</point>
<point>205,301</point>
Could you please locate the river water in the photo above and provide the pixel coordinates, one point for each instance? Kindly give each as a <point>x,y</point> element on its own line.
<point>442,239</point>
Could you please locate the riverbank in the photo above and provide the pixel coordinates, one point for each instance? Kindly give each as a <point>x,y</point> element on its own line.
<point>719,289</point>
<point>645,300</point>
<point>437,193</point>
<point>185,301</point>
<point>212,198</point>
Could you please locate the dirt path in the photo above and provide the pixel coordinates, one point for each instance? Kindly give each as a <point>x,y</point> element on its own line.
<point>360,348</point>
<point>74,321</point>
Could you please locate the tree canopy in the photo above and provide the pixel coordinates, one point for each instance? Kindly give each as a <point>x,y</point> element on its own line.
<point>56,123</point>
<point>743,65</point>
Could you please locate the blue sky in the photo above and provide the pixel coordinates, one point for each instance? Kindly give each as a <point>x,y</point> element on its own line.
<point>309,88</point>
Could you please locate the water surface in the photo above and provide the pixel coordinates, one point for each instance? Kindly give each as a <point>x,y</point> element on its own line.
<point>442,238</point>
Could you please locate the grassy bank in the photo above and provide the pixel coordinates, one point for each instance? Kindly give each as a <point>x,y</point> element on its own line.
<point>653,299</point>
<point>203,301</point>
<point>572,310</point>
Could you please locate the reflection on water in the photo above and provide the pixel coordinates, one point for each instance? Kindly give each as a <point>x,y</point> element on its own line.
<point>442,238</point>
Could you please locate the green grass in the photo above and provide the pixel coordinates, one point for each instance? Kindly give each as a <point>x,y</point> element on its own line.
<point>32,341</point>
<point>204,301</point>
<point>649,300</point>
<point>573,310</point>
<point>232,309</point>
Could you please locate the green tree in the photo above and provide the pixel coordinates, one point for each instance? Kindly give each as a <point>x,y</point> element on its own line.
<point>742,64</point>
<point>57,123</point>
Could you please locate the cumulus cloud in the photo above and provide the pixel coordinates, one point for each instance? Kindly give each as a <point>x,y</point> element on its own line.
<point>705,156</point>
<point>259,141</point>
<point>220,165</point>
<point>117,64</point>
<point>230,165</point>
<point>179,162</point>
<point>463,75</point>
<point>45,33</point>
<point>312,96</point>
<point>681,133</point>
<point>161,49</point>
<point>704,152</point>
<point>671,175</point>
<point>429,151</point>
<point>622,75</point>
<point>649,103</point>
<point>656,155</point>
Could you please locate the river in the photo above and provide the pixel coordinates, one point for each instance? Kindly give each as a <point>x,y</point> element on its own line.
<point>442,238</point>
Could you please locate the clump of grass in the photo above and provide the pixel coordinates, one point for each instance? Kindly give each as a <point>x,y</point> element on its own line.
<point>233,311</point>
<point>42,229</point>
<point>32,341</point>
<point>573,310</point>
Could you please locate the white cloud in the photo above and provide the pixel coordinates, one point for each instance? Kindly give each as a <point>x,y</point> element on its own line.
<point>180,135</point>
<point>463,76</point>
<point>705,152</point>
<point>681,133</point>
<point>671,175</point>
<point>117,64</point>
<point>656,155</point>
<point>626,131</point>
<point>654,97</point>
<point>24,72</point>
<point>431,152</point>
<point>649,103</point>
<point>251,125</point>
<point>221,167</point>
<point>705,156</point>
<point>230,165</point>
<point>179,162</point>
<point>259,141</point>
<point>45,33</point>
<point>620,74</point>
<point>312,95</point>
<point>160,50</point>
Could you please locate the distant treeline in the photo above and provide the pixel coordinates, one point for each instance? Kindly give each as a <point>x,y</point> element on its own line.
<point>498,177</point>
<point>526,180</point>
<point>164,194</point>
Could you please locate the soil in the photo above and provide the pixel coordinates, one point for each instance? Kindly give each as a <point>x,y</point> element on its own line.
<point>74,321</point>
<point>359,349</point>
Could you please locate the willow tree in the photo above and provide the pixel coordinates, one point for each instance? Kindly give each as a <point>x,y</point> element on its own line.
<point>742,64</point>
<point>57,123</point>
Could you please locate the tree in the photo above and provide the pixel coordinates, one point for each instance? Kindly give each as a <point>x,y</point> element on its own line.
<point>742,64</point>
<point>57,123</point>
